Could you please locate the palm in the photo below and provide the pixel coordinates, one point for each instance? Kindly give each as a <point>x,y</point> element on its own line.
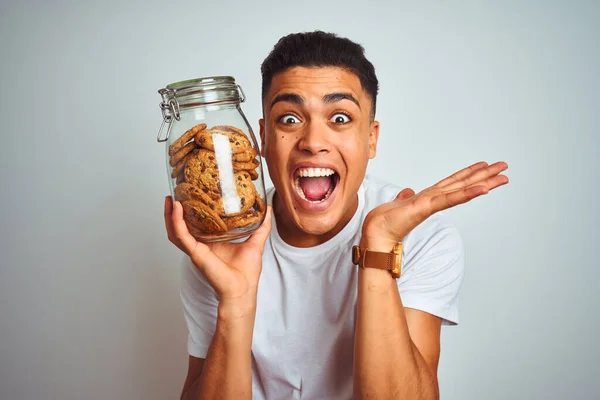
<point>232,269</point>
<point>241,264</point>
<point>392,221</point>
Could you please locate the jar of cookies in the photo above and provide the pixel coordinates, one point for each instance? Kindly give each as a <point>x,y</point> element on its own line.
<point>213,162</point>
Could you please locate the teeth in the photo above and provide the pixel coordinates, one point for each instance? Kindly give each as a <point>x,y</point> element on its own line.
<point>315,172</point>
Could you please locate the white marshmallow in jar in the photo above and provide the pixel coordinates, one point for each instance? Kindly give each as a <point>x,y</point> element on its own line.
<point>213,160</point>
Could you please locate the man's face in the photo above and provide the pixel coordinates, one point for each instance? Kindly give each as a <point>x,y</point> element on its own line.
<point>317,137</point>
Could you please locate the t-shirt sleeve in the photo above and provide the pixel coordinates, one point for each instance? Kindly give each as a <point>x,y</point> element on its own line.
<point>200,309</point>
<point>433,269</point>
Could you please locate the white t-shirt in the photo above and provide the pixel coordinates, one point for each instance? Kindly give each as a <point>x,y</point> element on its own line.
<point>306,305</point>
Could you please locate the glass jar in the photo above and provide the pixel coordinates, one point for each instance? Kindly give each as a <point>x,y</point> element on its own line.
<point>213,160</point>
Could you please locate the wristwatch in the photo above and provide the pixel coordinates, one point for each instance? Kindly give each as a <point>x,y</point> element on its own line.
<point>392,261</point>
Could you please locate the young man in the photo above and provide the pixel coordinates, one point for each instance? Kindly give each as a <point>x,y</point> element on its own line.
<point>287,314</point>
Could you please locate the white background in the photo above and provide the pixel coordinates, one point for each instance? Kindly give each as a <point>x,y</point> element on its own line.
<point>89,302</point>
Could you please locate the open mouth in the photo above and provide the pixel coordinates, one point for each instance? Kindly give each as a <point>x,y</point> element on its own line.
<point>315,185</point>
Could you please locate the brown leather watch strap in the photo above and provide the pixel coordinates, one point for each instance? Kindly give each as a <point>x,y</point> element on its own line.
<point>392,261</point>
<point>373,259</point>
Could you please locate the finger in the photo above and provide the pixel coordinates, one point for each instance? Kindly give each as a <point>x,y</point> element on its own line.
<point>259,237</point>
<point>202,257</point>
<point>181,235</point>
<point>478,176</point>
<point>169,221</point>
<point>167,211</point>
<point>493,182</point>
<point>446,200</point>
<point>463,173</point>
<point>405,194</point>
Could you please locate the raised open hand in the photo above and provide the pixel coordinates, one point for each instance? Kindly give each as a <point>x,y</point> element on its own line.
<point>389,223</point>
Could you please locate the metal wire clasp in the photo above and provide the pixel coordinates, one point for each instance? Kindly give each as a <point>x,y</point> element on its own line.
<point>242,94</point>
<point>170,109</point>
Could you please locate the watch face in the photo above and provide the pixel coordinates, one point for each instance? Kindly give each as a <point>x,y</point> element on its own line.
<point>355,254</point>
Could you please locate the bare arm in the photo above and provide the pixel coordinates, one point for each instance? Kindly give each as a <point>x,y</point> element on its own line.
<point>388,362</point>
<point>192,380</point>
<point>226,372</point>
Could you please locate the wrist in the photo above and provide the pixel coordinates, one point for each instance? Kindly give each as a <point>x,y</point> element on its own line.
<point>235,334</point>
<point>377,244</point>
<point>378,258</point>
<point>375,280</point>
<point>236,322</point>
<point>237,309</point>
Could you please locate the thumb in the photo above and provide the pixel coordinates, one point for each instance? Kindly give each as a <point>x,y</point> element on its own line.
<point>405,194</point>
<point>259,237</point>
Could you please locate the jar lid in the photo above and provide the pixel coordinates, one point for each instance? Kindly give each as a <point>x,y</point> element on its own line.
<point>202,91</point>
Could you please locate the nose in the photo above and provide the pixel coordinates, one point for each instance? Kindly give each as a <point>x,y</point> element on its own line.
<point>314,140</point>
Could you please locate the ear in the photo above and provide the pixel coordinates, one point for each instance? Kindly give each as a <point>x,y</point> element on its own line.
<point>261,124</point>
<point>373,138</point>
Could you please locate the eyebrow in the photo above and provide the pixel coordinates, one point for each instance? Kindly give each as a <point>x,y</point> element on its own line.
<point>328,98</point>
<point>289,97</point>
<point>335,97</point>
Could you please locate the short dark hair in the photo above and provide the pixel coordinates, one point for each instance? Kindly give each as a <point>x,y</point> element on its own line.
<point>320,49</point>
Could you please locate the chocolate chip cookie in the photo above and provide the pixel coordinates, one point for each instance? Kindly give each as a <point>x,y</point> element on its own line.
<point>178,169</point>
<point>245,156</point>
<point>259,204</point>
<point>239,166</point>
<point>229,128</point>
<point>238,143</point>
<point>197,173</point>
<point>245,190</point>
<point>186,137</point>
<point>182,153</point>
<point>188,191</point>
<point>249,217</point>
<point>199,217</point>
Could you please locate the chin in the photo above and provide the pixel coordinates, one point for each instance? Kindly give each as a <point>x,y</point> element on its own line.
<point>316,225</point>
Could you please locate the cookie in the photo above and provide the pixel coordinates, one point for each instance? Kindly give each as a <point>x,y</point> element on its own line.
<point>239,143</point>
<point>253,174</point>
<point>186,137</point>
<point>239,166</point>
<point>229,128</point>
<point>187,191</point>
<point>207,158</point>
<point>197,173</point>
<point>197,215</point>
<point>184,151</point>
<point>246,156</point>
<point>259,204</point>
<point>245,190</point>
<point>210,179</point>
<point>245,219</point>
<point>178,169</point>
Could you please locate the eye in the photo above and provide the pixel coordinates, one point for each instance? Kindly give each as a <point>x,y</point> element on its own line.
<point>289,119</point>
<point>340,118</point>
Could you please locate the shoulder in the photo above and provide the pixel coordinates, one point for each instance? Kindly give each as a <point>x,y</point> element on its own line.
<point>437,230</point>
<point>433,268</point>
<point>378,191</point>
